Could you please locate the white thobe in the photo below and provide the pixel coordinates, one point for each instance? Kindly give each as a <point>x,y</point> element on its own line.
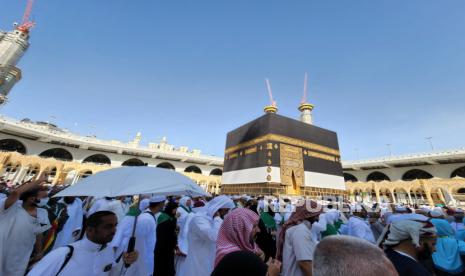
<point>357,227</point>
<point>202,236</point>
<point>74,223</point>
<point>183,221</point>
<point>145,242</point>
<point>18,231</point>
<point>288,212</point>
<point>318,227</point>
<point>88,259</point>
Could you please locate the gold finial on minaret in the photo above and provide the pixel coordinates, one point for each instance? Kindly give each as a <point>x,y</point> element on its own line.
<point>272,108</point>
<point>306,108</point>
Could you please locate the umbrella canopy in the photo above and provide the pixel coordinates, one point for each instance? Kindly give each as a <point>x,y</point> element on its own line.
<point>134,181</point>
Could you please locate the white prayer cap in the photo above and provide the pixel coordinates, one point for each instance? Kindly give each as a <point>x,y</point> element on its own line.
<point>436,213</point>
<point>144,203</point>
<point>157,199</point>
<point>236,197</point>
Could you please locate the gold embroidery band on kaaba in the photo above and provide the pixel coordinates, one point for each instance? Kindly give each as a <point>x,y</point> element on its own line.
<point>283,139</point>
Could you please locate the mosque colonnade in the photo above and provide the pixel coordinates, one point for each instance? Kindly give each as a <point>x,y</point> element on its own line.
<point>419,191</point>
<point>16,168</point>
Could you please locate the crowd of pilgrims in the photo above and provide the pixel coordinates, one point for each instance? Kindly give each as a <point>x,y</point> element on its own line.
<point>221,235</point>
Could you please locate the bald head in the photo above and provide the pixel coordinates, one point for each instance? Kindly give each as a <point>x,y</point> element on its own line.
<point>345,255</point>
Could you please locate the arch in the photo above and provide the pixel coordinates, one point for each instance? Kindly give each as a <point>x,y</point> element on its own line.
<point>98,159</point>
<point>166,165</point>
<point>216,172</point>
<point>86,174</point>
<point>377,177</point>
<point>133,162</point>
<point>193,169</point>
<point>57,153</point>
<point>416,174</point>
<point>460,172</point>
<point>12,145</point>
<point>350,177</point>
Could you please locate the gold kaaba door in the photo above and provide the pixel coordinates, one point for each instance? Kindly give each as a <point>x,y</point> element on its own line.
<point>292,168</point>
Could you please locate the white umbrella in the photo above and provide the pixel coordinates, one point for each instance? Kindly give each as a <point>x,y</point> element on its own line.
<point>134,181</point>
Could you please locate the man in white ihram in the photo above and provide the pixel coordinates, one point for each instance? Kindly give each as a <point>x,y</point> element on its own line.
<point>202,236</point>
<point>146,233</point>
<point>89,256</point>
<point>73,225</point>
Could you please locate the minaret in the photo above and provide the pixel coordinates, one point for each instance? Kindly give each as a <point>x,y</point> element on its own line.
<point>13,45</point>
<point>137,139</point>
<point>306,108</point>
<point>272,108</point>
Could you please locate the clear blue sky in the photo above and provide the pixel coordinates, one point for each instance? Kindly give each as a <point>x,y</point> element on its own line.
<point>381,71</point>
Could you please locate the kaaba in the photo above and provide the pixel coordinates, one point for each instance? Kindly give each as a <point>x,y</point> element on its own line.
<point>277,155</point>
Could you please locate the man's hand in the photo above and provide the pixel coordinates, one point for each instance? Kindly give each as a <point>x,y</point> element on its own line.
<point>274,267</point>
<point>130,258</point>
<point>178,252</point>
<point>16,193</point>
<point>260,254</point>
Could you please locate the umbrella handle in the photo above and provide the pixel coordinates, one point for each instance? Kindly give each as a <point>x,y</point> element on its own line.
<point>131,246</point>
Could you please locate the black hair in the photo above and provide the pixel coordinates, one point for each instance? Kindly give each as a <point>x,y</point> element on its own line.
<point>95,219</point>
<point>169,208</point>
<point>29,193</point>
<point>155,204</point>
<point>243,263</point>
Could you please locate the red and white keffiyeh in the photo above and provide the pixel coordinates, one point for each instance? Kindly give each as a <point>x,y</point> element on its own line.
<point>234,234</point>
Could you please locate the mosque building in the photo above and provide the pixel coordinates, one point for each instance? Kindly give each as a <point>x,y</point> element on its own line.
<point>426,178</point>
<point>29,148</point>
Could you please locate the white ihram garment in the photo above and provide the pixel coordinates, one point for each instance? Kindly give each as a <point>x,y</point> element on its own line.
<point>74,223</point>
<point>18,231</point>
<point>88,258</point>
<point>202,236</point>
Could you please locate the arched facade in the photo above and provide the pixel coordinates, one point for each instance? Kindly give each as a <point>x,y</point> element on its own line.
<point>133,162</point>
<point>217,171</point>
<point>420,191</point>
<point>166,165</point>
<point>12,145</point>
<point>57,153</point>
<point>350,177</point>
<point>16,168</point>
<point>193,169</point>
<point>97,159</point>
<point>416,174</point>
<point>377,177</point>
<point>460,172</point>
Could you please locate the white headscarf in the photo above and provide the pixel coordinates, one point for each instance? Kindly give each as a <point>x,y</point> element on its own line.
<point>144,204</point>
<point>408,229</point>
<point>217,203</point>
<point>183,202</point>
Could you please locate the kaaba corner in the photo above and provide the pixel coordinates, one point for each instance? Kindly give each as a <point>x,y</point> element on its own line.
<point>277,155</point>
